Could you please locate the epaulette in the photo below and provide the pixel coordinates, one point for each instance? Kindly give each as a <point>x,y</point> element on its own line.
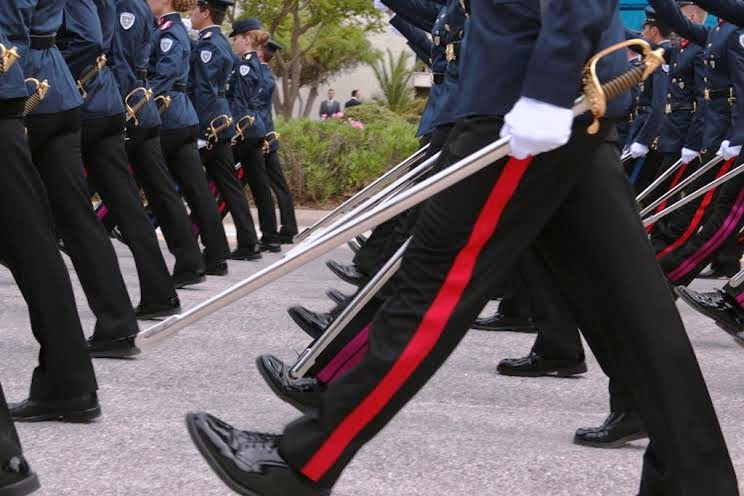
<point>166,25</point>
<point>207,36</point>
<point>247,56</point>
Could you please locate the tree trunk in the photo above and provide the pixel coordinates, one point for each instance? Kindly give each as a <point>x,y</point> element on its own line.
<point>310,105</point>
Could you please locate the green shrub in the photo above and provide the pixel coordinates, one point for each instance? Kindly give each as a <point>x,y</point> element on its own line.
<point>328,161</point>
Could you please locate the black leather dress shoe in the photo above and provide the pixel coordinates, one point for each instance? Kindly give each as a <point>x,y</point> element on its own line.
<point>286,238</point>
<point>303,394</point>
<point>189,278</point>
<point>362,239</point>
<point>503,323</point>
<point>719,272</point>
<point>270,246</point>
<point>113,348</point>
<point>338,297</point>
<point>355,246</point>
<point>16,477</point>
<point>717,305</point>
<point>618,429</point>
<point>248,462</point>
<point>314,324</point>
<point>534,365</point>
<point>217,268</point>
<point>347,273</point>
<point>248,253</point>
<point>156,311</point>
<point>80,409</point>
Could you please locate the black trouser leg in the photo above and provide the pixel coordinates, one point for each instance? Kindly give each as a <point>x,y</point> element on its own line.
<point>146,157</point>
<point>30,249</point>
<point>252,158</point>
<point>283,195</point>
<point>221,167</point>
<point>182,157</point>
<point>460,247</point>
<point>106,162</point>
<point>10,444</point>
<point>515,301</point>
<point>55,148</point>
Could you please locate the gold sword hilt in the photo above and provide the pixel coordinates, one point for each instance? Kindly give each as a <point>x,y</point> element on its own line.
<point>99,65</point>
<point>8,57</point>
<point>597,93</point>
<point>240,128</point>
<point>213,133</point>
<point>267,142</point>
<point>166,103</point>
<point>37,95</point>
<point>132,110</point>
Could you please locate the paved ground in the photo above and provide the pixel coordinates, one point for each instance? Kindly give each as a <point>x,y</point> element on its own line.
<point>470,431</point>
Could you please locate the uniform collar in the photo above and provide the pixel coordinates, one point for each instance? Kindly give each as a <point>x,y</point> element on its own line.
<point>165,17</point>
<point>213,27</point>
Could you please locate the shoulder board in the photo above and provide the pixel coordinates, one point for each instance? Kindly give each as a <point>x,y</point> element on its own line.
<point>166,25</point>
<point>247,56</point>
<point>208,35</point>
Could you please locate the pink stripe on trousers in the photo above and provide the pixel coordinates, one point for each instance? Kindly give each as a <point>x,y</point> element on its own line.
<point>347,358</point>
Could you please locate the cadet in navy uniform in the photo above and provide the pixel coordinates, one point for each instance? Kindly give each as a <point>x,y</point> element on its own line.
<point>243,90</point>
<point>86,34</point>
<point>211,65</point>
<point>63,386</point>
<point>645,129</point>
<point>168,76</point>
<point>469,237</point>
<point>273,164</point>
<point>131,54</point>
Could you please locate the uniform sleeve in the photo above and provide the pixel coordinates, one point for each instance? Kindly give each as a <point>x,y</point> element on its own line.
<point>421,13</point>
<point>694,139</point>
<point>729,10</point>
<point>417,38</point>
<point>201,77</point>
<point>570,31</point>
<point>668,11</point>
<point>736,68</point>
<point>652,127</point>
<point>127,40</point>
<point>167,70</point>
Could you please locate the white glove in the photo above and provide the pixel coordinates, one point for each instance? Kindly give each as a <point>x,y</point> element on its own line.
<point>638,150</point>
<point>689,155</point>
<point>200,143</point>
<point>724,146</point>
<point>536,127</point>
<point>731,152</point>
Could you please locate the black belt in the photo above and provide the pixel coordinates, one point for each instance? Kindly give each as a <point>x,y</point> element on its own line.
<point>681,106</point>
<point>719,93</point>
<point>43,41</point>
<point>141,74</point>
<point>179,87</point>
<point>437,77</point>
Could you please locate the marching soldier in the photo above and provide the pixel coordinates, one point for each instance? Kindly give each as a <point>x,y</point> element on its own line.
<point>54,138</point>
<point>133,43</point>
<point>469,236</point>
<point>211,65</point>
<point>168,74</point>
<point>244,89</point>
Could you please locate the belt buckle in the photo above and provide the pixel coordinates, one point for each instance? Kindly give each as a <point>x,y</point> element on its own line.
<point>668,109</point>
<point>707,94</point>
<point>450,51</point>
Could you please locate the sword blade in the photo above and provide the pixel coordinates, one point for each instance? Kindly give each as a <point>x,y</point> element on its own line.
<point>667,173</point>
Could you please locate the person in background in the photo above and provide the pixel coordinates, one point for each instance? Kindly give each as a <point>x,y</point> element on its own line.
<point>356,99</point>
<point>330,106</point>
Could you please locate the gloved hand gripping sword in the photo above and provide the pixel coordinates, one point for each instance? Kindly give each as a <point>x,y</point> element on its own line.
<point>594,101</point>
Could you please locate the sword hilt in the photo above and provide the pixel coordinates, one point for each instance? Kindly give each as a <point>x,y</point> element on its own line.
<point>598,93</point>
<point>8,57</point>
<point>132,110</point>
<point>88,76</point>
<point>240,129</point>
<point>39,93</point>
<point>166,103</point>
<point>213,133</point>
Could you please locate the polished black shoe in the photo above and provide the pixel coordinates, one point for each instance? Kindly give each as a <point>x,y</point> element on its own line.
<point>347,273</point>
<point>16,477</point>
<point>113,348</point>
<point>355,246</point>
<point>189,278</point>
<point>717,305</point>
<point>218,268</point>
<point>618,429</point>
<point>338,297</point>
<point>80,409</point>
<point>272,247</point>
<point>303,394</point>
<point>719,272</point>
<point>314,324</point>
<point>362,239</point>
<point>248,253</point>
<point>157,311</point>
<point>503,323</point>
<point>534,365</point>
<point>248,462</point>
<point>286,238</point>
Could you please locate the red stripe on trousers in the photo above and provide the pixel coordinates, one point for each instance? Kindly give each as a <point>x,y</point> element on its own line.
<point>432,325</point>
<point>698,217</point>
<point>672,185</point>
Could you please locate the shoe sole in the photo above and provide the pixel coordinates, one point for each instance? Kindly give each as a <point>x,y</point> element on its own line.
<point>303,325</point>
<point>251,258</point>
<point>619,443</point>
<point>524,329</point>
<point>22,487</point>
<point>278,392</point>
<point>76,417</point>
<point>191,282</point>
<point>559,372</point>
<point>337,299</point>
<point>159,315</point>
<point>355,247</point>
<point>116,354</point>
<point>704,311</point>
<point>213,464</point>
<point>347,280</point>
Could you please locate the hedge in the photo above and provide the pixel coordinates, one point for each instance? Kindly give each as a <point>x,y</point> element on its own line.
<point>326,162</point>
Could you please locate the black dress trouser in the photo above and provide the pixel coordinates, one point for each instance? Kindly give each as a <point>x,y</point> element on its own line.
<point>105,159</point>
<point>220,166</point>
<point>252,159</point>
<point>146,157</point>
<point>30,249</point>
<point>182,156</point>
<point>283,196</point>
<point>469,237</point>
<point>55,149</point>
